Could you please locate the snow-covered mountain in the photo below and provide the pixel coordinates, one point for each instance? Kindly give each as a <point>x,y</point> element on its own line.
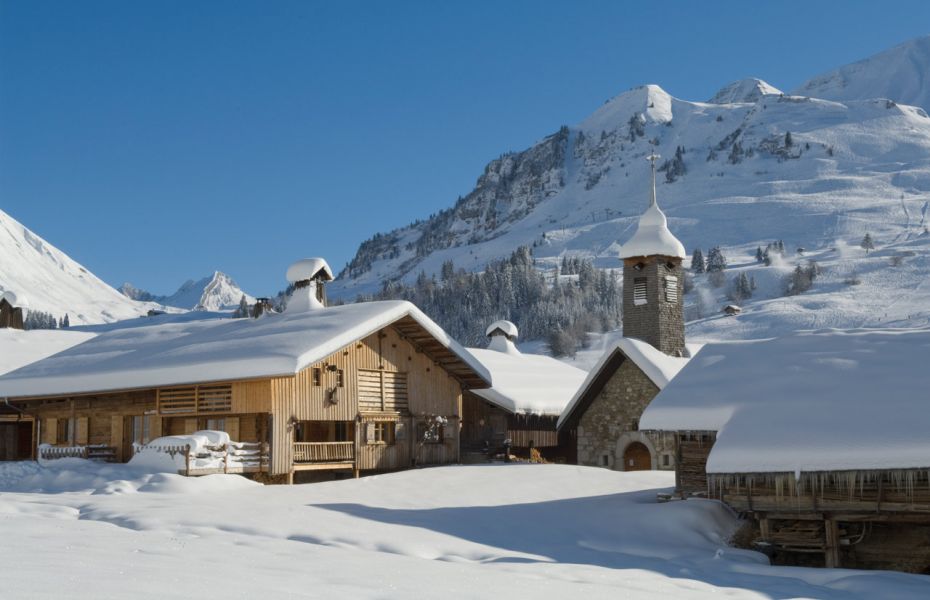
<point>901,74</point>
<point>46,279</point>
<point>212,293</point>
<point>744,90</point>
<point>748,168</point>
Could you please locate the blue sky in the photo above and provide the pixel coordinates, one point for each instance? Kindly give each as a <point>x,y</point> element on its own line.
<point>159,141</point>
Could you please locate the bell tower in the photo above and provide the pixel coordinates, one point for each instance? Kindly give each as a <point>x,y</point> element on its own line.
<point>653,280</point>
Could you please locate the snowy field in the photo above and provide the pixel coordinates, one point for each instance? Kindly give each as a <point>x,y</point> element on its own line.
<point>79,530</point>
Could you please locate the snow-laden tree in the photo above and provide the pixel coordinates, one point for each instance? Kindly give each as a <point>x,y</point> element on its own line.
<point>697,261</point>
<point>867,243</point>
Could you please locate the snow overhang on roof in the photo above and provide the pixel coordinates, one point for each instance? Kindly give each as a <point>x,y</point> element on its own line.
<point>826,400</point>
<point>659,367</point>
<point>309,268</point>
<point>232,349</point>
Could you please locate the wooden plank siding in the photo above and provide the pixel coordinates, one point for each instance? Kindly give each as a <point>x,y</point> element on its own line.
<point>385,375</point>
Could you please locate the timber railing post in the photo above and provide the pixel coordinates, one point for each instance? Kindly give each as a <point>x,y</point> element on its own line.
<point>187,460</point>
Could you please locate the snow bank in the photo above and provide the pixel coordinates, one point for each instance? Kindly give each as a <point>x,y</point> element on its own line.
<point>811,401</point>
<point>530,383</point>
<point>214,350</point>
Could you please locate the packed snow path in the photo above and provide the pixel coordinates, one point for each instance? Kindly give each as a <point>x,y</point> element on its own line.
<point>94,531</point>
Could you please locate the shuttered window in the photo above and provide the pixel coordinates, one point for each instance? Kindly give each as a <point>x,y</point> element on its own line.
<point>639,291</point>
<point>382,391</point>
<point>195,399</point>
<point>671,288</point>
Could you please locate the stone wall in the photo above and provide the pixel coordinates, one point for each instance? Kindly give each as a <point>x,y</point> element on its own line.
<point>611,422</point>
<point>659,322</point>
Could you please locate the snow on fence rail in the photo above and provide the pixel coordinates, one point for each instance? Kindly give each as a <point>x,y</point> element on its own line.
<point>192,460</point>
<point>97,452</point>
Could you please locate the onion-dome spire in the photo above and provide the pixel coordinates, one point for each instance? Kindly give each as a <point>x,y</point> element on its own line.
<point>652,235</point>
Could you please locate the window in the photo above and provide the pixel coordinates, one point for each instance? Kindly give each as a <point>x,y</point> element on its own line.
<point>666,460</point>
<point>634,425</point>
<point>340,378</point>
<point>317,375</point>
<point>139,430</point>
<point>382,432</point>
<point>343,431</point>
<point>639,291</point>
<point>214,424</point>
<point>671,288</point>
<point>605,460</point>
<point>65,434</point>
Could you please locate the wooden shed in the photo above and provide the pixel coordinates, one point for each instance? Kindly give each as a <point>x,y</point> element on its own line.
<point>818,439</point>
<point>345,388</point>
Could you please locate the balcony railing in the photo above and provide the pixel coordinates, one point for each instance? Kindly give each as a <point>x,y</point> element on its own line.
<point>324,452</point>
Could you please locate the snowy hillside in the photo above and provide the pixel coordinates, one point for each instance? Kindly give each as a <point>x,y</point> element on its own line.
<point>46,279</point>
<point>899,74</point>
<point>818,174</point>
<point>212,293</point>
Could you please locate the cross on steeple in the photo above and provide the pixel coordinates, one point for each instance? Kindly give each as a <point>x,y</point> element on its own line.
<point>653,157</point>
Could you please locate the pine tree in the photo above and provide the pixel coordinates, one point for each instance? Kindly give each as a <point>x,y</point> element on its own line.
<point>867,243</point>
<point>788,141</point>
<point>697,261</point>
<point>66,321</point>
<point>243,309</point>
<point>760,256</point>
<point>716,261</point>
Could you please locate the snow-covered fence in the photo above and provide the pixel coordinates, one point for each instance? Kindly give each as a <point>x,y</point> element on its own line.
<point>207,459</point>
<point>99,452</point>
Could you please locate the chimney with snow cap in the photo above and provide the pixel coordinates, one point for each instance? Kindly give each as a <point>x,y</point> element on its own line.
<point>308,276</point>
<point>503,334</point>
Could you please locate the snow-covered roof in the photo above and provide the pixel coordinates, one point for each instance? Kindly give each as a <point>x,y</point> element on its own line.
<point>528,383</point>
<point>810,401</point>
<point>507,327</point>
<point>308,268</point>
<point>221,349</point>
<point>659,367</point>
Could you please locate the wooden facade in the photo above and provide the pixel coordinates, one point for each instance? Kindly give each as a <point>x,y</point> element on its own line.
<point>10,316</point>
<point>363,408</point>
<point>870,519</point>
<point>486,427</point>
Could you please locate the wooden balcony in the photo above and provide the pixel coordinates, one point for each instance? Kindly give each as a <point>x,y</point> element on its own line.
<point>324,455</point>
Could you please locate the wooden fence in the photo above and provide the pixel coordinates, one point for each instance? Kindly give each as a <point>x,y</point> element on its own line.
<point>313,452</point>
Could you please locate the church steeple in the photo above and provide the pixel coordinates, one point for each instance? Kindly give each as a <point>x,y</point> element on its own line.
<point>653,303</point>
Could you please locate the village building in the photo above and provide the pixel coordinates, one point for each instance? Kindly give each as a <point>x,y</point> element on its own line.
<point>819,439</point>
<point>363,387</point>
<point>604,413</point>
<point>519,412</point>
<point>605,410</point>
<point>11,316</point>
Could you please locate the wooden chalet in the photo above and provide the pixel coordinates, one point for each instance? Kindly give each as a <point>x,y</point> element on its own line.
<point>818,439</point>
<point>353,388</point>
<point>522,407</point>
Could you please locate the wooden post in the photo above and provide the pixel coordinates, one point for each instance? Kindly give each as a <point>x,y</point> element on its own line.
<point>764,529</point>
<point>187,460</point>
<point>832,550</point>
<point>290,477</point>
<point>226,459</point>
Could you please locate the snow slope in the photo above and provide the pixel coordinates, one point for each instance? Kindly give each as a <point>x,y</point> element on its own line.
<point>899,73</point>
<point>496,531</point>
<point>45,278</point>
<point>744,90</point>
<point>212,293</point>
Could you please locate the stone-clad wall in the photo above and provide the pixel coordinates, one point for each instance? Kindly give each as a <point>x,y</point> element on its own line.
<point>658,322</point>
<point>608,425</point>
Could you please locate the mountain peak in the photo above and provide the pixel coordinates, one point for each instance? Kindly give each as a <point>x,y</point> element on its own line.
<point>898,74</point>
<point>650,102</point>
<point>748,90</point>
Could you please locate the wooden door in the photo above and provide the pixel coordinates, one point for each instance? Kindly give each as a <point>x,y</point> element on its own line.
<point>636,458</point>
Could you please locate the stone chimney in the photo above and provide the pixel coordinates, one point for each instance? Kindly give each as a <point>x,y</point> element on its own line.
<point>503,337</point>
<point>261,307</point>
<point>308,277</point>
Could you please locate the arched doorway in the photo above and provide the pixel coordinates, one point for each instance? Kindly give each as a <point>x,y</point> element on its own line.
<point>636,457</point>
